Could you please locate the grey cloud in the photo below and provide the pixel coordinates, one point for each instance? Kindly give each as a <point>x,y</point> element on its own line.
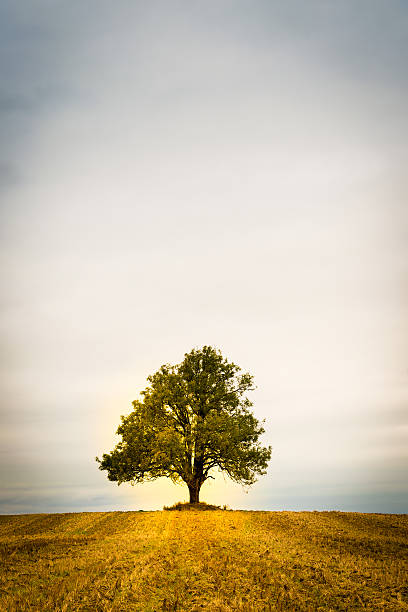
<point>9,175</point>
<point>10,103</point>
<point>185,173</point>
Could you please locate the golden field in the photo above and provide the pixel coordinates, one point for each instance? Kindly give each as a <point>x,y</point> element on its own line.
<point>208,560</point>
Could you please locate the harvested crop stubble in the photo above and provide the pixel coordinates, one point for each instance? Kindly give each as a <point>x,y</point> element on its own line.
<point>204,560</point>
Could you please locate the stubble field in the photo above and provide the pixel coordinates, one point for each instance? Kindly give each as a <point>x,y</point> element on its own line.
<point>212,560</point>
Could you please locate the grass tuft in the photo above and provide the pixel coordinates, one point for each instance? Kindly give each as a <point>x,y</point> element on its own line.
<point>198,506</point>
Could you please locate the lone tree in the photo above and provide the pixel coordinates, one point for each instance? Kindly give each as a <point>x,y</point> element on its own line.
<point>193,418</point>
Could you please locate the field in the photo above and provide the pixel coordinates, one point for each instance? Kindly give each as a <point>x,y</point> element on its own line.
<point>212,560</point>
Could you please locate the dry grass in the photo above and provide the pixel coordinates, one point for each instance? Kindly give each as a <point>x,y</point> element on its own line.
<point>194,506</point>
<point>215,561</point>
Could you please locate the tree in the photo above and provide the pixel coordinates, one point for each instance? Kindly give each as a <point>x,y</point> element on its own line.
<point>193,418</point>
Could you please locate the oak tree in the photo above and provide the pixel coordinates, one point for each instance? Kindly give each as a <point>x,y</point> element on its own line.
<point>192,419</point>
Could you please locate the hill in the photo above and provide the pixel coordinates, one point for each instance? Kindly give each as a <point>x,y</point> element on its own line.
<point>219,560</point>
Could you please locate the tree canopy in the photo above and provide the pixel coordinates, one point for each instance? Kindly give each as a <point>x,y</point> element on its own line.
<point>193,418</point>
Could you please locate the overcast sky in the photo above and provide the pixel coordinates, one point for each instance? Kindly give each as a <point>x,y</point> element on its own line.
<point>232,173</point>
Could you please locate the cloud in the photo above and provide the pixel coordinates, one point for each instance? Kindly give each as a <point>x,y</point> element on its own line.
<point>178,175</point>
<point>9,176</point>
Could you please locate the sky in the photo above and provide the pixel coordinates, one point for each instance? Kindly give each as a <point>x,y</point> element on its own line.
<point>229,173</point>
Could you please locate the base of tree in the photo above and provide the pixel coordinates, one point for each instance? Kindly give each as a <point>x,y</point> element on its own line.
<point>198,506</point>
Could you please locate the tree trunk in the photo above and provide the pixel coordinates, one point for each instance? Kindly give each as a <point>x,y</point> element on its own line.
<point>194,489</point>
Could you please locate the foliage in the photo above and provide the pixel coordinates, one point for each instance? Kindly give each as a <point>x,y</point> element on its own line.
<point>186,561</point>
<point>193,417</point>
